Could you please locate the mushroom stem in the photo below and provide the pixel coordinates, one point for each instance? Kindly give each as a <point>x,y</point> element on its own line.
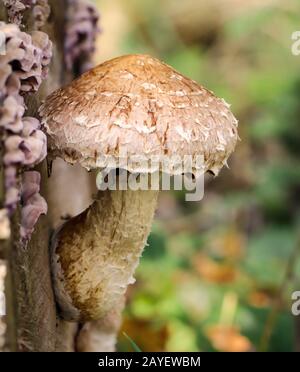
<point>100,335</point>
<point>96,253</point>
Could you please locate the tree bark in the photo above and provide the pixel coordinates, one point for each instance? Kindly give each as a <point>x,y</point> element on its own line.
<point>32,323</point>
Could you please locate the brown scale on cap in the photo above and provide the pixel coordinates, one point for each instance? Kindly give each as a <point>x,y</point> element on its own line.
<point>138,106</point>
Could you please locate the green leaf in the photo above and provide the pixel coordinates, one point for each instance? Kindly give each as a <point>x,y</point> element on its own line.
<point>132,343</point>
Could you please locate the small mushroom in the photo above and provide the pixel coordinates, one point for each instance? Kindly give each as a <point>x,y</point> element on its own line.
<point>140,106</point>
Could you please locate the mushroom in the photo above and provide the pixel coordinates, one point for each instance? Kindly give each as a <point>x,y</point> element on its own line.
<point>136,105</point>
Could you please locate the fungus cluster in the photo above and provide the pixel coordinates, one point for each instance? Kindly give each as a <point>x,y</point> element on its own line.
<point>141,107</point>
<point>80,34</point>
<point>16,8</point>
<point>23,66</point>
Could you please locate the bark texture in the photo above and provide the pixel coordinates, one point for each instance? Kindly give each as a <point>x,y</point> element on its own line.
<point>32,323</point>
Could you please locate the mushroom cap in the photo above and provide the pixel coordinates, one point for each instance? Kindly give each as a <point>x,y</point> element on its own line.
<point>136,106</point>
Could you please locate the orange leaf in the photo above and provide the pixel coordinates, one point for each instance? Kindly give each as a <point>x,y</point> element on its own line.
<point>213,271</point>
<point>228,338</point>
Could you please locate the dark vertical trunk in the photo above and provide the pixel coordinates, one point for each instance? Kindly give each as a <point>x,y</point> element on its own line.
<point>32,323</point>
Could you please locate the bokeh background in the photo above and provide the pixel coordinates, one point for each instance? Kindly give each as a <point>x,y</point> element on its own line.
<point>219,274</point>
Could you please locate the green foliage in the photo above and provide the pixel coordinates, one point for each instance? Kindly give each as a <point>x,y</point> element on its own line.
<point>132,343</point>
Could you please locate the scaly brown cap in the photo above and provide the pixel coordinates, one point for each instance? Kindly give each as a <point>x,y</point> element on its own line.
<point>139,106</point>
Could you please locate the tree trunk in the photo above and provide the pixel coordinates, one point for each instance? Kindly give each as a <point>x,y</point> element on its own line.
<point>32,323</point>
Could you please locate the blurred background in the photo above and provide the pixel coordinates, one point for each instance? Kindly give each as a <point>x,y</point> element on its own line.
<point>219,274</point>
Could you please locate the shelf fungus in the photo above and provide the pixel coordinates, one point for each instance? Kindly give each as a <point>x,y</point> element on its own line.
<point>137,106</point>
<point>23,66</point>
